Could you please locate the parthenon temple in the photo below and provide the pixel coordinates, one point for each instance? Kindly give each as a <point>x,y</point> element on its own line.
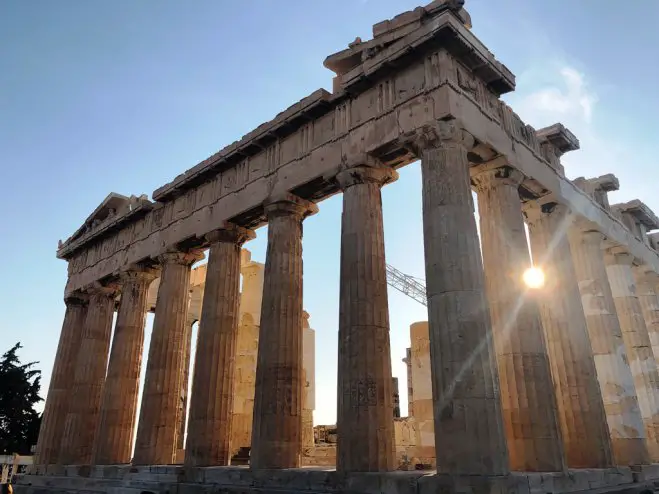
<point>510,389</point>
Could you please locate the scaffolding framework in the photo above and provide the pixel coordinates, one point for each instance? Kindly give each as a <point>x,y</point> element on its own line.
<point>407,285</point>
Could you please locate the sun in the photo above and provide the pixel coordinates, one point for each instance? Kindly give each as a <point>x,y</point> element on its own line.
<point>534,278</point>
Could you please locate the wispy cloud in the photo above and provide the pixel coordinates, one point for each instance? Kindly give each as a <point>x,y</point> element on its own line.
<point>574,98</point>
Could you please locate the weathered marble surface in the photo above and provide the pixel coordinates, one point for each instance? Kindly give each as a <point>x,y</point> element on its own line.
<point>161,480</point>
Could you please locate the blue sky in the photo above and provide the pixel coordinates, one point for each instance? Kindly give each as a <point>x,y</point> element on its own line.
<point>123,96</point>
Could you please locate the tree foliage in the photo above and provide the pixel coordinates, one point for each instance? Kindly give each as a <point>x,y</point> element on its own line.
<point>19,392</point>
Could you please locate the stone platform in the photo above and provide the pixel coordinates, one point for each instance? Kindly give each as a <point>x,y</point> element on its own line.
<point>179,480</point>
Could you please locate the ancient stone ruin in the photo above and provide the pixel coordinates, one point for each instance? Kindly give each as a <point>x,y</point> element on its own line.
<point>529,391</point>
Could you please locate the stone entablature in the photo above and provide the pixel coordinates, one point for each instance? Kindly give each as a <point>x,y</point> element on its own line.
<point>304,147</point>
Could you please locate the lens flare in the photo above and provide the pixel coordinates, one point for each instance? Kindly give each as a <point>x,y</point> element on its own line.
<point>534,278</point>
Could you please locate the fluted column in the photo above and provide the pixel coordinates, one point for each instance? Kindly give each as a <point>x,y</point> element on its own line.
<point>157,430</point>
<point>365,424</point>
<point>614,374</point>
<point>81,422</point>
<point>580,407</point>
<point>469,432</point>
<point>277,422</point>
<point>528,402</point>
<point>61,382</point>
<point>647,288</point>
<point>209,426</point>
<point>184,394</point>
<point>114,442</point>
<point>637,342</point>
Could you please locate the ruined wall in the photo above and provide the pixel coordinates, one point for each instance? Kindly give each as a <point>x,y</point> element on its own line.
<point>246,351</point>
<point>309,394</point>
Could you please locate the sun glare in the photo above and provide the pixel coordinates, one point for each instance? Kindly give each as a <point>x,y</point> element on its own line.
<point>534,278</point>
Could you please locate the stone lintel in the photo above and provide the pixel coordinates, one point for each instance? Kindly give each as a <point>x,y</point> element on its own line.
<point>640,212</point>
<point>284,124</point>
<point>559,137</point>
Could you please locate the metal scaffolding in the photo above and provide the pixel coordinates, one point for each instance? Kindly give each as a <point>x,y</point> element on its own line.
<point>406,284</point>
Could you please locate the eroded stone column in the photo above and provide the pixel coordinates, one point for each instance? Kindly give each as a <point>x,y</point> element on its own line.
<point>81,422</point>
<point>365,424</point>
<point>277,423</point>
<point>61,382</point>
<point>114,442</point>
<point>469,432</point>
<point>209,427</point>
<point>157,430</point>
<point>528,403</point>
<point>614,374</point>
<point>647,288</point>
<point>580,407</point>
<point>637,342</point>
<point>185,393</point>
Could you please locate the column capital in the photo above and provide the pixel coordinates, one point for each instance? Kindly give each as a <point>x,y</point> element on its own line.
<point>231,233</point>
<point>98,289</point>
<point>592,236</point>
<point>645,274</point>
<point>289,205</point>
<point>139,273</point>
<point>484,178</point>
<point>618,255</point>
<point>538,210</point>
<point>183,258</point>
<point>363,174</point>
<point>76,298</point>
<point>438,134</point>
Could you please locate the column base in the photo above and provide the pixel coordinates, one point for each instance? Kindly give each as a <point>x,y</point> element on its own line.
<point>161,479</point>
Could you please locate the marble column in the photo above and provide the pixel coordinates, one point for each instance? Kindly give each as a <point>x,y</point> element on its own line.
<point>114,443</point>
<point>469,431</point>
<point>580,407</point>
<point>614,374</point>
<point>647,288</point>
<point>365,424</point>
<point>61,382</point>
<point>528,402</point>
<point>209,427</point>
<point>637,342</point>
<point>157,430</point>
<point>277,419</point>
<point>184,395</point>
<point>81,423</point>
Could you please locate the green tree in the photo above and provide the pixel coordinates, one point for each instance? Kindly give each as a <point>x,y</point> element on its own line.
<point>19,392</point>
